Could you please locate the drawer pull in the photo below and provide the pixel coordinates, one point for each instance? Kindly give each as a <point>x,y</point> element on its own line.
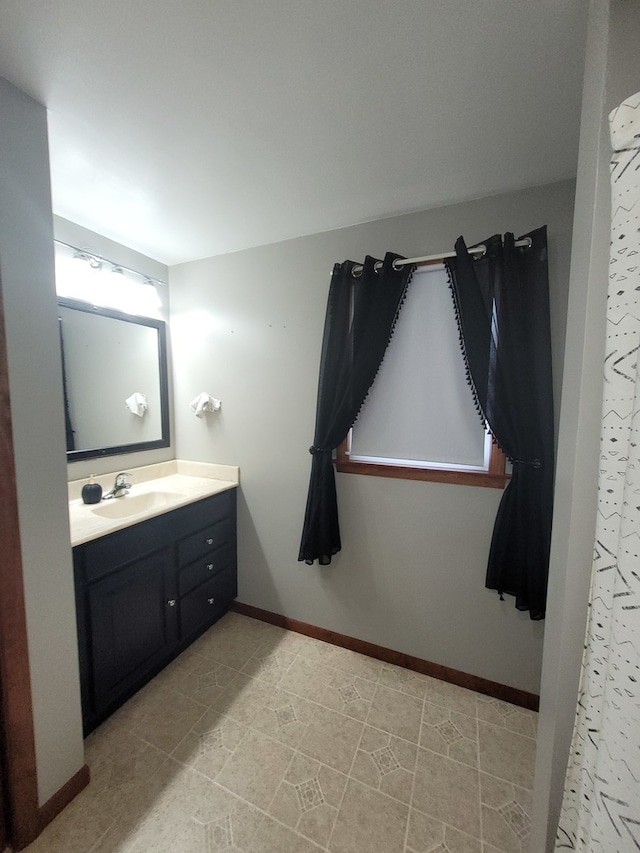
<point>171,602</point>
<point>209,541</point>
<point>210,600</point>
<point>210,566</point>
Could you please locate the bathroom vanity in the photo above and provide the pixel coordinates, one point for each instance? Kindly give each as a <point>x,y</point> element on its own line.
<point>148,588</point>
<point>155,565</point>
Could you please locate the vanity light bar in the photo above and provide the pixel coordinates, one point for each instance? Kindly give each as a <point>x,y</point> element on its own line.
<point>96,262</point>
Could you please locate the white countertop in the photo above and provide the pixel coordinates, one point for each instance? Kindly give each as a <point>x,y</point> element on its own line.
<point>156,489</point>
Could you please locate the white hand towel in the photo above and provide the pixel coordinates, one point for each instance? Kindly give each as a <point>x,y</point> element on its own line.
<point>204,403</point>
<point>136,403</point>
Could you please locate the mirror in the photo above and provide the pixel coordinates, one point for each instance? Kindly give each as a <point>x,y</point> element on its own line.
<point>115,381</point>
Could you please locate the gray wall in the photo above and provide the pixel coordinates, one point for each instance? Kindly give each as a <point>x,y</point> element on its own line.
<point>75,235</point>
<point>33,356</point>
<point>612,73</point>
<point>246,327</point>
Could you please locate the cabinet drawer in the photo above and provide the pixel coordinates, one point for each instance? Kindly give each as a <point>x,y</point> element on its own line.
<point>207,511</point>
<point>208,539</point>
<point>111,552</point>
<point>206,603</point>
<point>207,567</point>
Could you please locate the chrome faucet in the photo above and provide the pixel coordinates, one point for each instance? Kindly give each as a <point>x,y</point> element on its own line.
<point>120,488</point>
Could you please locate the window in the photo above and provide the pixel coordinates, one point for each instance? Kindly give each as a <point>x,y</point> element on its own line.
<point>420,421</point>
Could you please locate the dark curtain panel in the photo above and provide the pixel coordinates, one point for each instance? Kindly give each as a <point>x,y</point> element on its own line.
<point>502,305</point>
<point>361,313</point>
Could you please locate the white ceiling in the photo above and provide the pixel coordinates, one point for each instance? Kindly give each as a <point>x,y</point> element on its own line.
<point>188,129</point>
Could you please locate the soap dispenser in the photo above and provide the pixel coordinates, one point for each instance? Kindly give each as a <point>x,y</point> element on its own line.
<point>91,492</point>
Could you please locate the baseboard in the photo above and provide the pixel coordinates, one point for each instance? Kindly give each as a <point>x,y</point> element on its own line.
<point>62,797</point>
<point>435,670</point>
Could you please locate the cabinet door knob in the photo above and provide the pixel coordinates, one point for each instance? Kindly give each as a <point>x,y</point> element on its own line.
<point>209,541</point>
<point>210,600</point>
<point>171,602</point>
<point>210,566</point>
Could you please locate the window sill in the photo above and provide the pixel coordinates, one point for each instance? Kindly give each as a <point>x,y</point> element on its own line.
<point>494,478</point>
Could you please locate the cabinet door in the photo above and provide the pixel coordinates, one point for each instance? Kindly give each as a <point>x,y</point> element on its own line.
<point>133,619</point>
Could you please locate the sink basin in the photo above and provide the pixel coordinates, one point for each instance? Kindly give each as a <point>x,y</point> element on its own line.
<point>133,504</point>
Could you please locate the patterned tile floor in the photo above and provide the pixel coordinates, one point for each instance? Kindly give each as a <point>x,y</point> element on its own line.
<point>260,740</point>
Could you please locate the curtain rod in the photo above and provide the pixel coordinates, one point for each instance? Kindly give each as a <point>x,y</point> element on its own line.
<point>480,250</point>
<point>88,255</point>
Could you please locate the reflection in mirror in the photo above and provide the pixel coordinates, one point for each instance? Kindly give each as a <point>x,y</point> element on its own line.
<point>114,365</point>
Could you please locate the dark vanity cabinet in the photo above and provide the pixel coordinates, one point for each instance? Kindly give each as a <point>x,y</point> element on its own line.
<point>132,630</point>
<point>146,592</point>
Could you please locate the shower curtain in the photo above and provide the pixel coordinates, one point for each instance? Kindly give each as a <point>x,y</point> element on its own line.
<point>601,806</point>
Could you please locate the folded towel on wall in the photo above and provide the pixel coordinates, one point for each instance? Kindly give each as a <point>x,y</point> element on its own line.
<point>204,403</point>
<point>136,403</point>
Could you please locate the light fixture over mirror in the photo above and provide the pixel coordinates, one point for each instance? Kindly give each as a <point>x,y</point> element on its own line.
<point>91,278</point>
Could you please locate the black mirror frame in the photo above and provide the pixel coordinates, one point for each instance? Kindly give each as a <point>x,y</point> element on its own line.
<point>160,326</point>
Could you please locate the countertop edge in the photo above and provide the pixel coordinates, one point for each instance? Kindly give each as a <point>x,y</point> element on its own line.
<point>104,526</point>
